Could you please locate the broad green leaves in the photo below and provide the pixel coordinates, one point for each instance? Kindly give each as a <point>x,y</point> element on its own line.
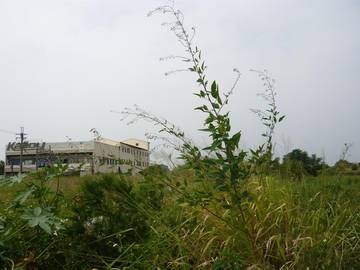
<point>42,218</point>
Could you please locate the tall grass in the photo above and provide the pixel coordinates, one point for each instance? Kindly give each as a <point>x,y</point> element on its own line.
<point>308,224</point>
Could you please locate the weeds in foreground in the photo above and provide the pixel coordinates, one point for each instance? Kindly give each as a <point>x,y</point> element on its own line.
<point>143,223</point>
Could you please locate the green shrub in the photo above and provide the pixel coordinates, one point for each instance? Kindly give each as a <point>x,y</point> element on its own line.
<point>105,216</point>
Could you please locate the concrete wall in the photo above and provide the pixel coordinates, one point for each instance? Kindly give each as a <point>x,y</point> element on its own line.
<point>114,157</point>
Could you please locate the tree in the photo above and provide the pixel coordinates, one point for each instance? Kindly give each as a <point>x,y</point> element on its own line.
<point>311,164</point>
<point>343,165</point>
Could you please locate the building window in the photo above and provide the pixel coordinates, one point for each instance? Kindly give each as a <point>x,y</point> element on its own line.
<point>28,162</point>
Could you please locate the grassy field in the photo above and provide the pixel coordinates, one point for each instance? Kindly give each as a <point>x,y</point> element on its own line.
<point>68,186</point>
<point>152,221</point>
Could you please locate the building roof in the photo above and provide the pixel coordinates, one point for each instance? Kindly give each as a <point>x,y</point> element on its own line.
<point>137,143</point>
<point>107,141</point>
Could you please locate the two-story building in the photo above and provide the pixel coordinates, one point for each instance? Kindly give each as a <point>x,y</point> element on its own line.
<point>96,156</point>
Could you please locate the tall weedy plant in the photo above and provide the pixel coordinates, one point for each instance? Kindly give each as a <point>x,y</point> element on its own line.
<point>270,117</point>
<point>224,146</point>
<point>222,161</point>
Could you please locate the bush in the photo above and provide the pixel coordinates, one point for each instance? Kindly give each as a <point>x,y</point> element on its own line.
<point>311,164</point>
<point>354,166</point>
<point>110,217</point>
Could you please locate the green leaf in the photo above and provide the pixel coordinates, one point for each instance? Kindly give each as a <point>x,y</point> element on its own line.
<point>219,156</point>
<point>281,118</point>
<point>45,227</point>
<point>214,90</point>
<point>209,119</point>
<point>236,138</point>
<point>201,94</point>
<point>42,218</point>
<point>37,211</point>
<point>203,108</point>
<point>24,195</point>
<point>205,129</point>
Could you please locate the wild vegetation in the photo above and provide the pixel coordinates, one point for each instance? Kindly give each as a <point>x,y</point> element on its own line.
<point>2,164</point>
<point>159,220</point>
<point>224,208</point>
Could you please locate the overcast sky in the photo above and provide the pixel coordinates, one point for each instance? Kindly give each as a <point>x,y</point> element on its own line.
<point>65,64</point>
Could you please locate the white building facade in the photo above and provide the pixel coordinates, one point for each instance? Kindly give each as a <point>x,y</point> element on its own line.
<point>96,156</point>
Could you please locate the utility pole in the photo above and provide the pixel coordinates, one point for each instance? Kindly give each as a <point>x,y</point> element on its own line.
<point>36,157</point>
<point>22,138</point>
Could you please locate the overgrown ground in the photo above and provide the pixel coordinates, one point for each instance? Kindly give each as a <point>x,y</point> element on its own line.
<point>155,221</point>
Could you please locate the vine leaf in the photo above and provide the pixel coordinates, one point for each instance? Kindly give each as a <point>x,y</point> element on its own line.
<point>42,218</point>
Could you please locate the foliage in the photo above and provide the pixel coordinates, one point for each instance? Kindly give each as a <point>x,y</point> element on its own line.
<point>229,260</point>
<point>42,218</point>
<point>31,221</point>
<point>222,162</point>
<point>2,166</point>
<point>298,158</point>
<point>345,167</point>
<point>143,223</point>
<point>110,217</point>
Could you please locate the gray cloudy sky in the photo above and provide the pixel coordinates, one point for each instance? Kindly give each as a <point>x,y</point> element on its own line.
<point>65,64</point>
